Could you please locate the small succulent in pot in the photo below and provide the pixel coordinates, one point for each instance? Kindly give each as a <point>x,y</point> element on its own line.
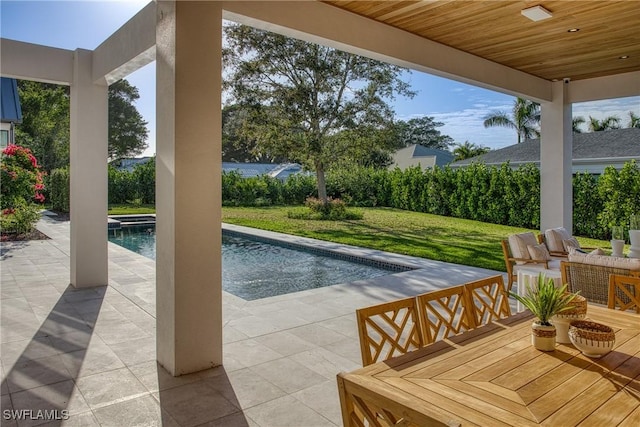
<point>545,301</point>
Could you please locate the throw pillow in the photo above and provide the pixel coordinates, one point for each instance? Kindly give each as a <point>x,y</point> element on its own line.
<point>518,244</point>
<point>554,238</point>
<point>596,252</point>
<point>570,243</point>
<point>539,252</point>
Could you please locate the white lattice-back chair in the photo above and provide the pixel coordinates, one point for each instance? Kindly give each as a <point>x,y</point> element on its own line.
<point>388,330</point>
<point>444,313</point>
<point>488,300</point>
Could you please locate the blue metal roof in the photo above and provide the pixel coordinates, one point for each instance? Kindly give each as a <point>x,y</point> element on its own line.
<point>10,110</point>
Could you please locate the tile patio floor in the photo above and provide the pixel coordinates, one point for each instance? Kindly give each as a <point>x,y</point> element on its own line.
<point>92,352</point>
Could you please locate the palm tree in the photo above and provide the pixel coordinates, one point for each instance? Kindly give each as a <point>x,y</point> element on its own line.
<point>468,150</point>
<point>634,121</point>
<point>525,118</point>
<point>576,122</point>
<point>608,123</point>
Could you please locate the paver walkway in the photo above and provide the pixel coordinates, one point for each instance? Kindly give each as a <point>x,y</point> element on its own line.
<point>91,352</point>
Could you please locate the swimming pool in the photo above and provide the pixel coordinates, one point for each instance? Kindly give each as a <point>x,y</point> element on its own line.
<point>253,269</point>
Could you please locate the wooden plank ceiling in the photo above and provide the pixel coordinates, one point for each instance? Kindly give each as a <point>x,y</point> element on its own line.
<point>496,30</point>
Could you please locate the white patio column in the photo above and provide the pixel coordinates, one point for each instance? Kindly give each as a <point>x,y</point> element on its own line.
<point>88,187</point>
<point>556,152</point>
<point>188,179</point>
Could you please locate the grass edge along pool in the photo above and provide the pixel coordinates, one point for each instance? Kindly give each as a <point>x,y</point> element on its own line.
<point>256,267</point>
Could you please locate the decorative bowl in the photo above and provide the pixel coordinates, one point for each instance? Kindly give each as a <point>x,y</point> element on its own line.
<point>591,338</point>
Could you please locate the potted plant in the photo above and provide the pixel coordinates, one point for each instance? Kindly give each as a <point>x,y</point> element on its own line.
<point>544,301</point>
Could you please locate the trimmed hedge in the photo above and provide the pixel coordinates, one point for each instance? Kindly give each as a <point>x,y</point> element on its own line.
<point>498,195</point>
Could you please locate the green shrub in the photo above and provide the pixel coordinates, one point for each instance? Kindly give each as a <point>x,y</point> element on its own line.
<point>20,219</point>
<point>334,209</point>
<point>144,181</point>
<point>59,189</point>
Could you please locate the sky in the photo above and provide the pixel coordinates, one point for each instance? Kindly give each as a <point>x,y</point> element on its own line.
<point>460,107</point>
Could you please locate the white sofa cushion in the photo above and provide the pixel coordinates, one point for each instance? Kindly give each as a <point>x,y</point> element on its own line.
<point>554,238</point>
<point>606,261</point>
<point>518,244</point>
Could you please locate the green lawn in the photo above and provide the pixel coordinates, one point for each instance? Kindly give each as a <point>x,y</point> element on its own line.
<point>131,209</point>
<point>423,235</point>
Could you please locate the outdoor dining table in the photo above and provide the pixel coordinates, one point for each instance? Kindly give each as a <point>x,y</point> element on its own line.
<point>493,376</point>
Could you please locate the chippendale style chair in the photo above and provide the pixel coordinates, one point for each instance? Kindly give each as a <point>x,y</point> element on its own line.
<point>388,330</point>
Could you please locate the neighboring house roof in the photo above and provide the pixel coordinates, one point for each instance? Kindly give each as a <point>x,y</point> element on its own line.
<point>10,110</point>
<point>419,154</point>
<point>249,169</point>
<point>594,149</point>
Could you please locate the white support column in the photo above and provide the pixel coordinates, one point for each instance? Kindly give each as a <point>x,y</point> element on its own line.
<point>88,187</point>
<point>188,180</point>
<point>556,153</point>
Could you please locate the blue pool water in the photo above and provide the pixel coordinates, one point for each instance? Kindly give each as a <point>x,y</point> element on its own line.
<point>254,269</point>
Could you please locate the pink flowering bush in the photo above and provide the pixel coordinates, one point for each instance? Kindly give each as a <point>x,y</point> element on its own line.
<point>21,188</point>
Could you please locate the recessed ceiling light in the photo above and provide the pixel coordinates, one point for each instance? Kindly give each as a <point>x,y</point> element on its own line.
<point>623,57</point>
<point>573,30</point>
<point>536,13</point>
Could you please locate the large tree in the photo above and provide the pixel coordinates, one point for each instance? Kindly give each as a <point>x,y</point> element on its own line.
<point>311,104</point>
<point>238,145</point>
<point>127,129</point>
<point>45,122</point>
<point>422,131</point>
<point>524,119</point>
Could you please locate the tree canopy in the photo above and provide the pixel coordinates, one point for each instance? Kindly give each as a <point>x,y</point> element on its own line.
<point>45,122</point>
<point>468,150</point>
<point>311,104</point>
<point>524,119</point>
<point>127,129</point>
<point>422,131</point>
<point>608,123</point>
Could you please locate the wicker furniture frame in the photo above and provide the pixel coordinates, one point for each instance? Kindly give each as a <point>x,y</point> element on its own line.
<point>591,280</point>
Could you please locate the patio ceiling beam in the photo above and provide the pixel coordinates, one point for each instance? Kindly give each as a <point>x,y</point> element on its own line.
<point>330,26</point>
<point>131,47</point>
<point>27,61</point>
<point>617,86</point>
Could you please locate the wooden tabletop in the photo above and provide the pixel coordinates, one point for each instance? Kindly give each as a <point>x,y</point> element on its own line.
<point>494,376</point>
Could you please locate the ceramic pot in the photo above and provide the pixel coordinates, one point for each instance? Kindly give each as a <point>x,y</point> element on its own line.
<point>617,246</point>
<point>543,337</point>
<point>561,321</point>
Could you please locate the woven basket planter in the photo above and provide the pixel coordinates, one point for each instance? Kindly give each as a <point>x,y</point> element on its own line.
<point>591,338</point>
<point>561,321</point>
